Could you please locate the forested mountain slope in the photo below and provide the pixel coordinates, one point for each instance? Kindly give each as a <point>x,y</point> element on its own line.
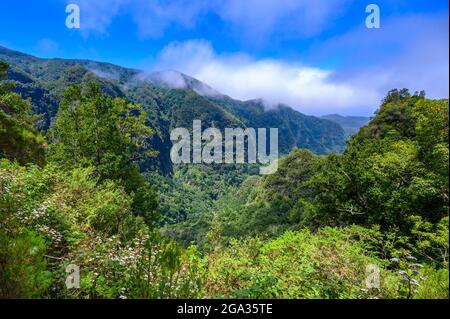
<point>171,100</point>
<point>76,196</point>
<point>394,171</point>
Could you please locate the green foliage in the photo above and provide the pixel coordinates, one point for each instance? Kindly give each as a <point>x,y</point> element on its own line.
<point>392,169</point>
<point>298,130</point>
<point>23,271</point>
<point>270,204</point>
<point>188,197</point>
<point>19,140</point>
<point>295,265</point>
<point>392,180</point>
<point>147,267</point>
<point>435,284</point>
<point>51,219</point>
<point>109,135</point>
<point>431,240</point>
<point>90,130</point>
<point>330,263</point>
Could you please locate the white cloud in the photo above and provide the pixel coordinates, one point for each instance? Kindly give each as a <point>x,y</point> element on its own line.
<point>305,88</point>
<point>293,18</point>
<point>97,16</point>
<point>255,19</point>
<point>408,51</point>
<point>152,17</point>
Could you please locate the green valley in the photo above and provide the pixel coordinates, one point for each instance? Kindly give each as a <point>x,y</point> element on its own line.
<point>86,178</point>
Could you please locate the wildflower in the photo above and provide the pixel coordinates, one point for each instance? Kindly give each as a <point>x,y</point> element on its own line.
<point>414,282</point>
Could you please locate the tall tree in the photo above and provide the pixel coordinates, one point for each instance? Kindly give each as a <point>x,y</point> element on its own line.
<point>19,139</point>
<point>110,135</point>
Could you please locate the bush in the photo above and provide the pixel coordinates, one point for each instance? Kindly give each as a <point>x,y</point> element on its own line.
<point>331,263</point>
<point>50,219</point>
<point>295,265</point>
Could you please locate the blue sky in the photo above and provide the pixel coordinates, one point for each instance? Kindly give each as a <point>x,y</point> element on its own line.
<point>317,56</point>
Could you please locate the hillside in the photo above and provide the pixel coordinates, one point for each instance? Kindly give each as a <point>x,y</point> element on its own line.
<point>170,98</point>
<point>76,196</point>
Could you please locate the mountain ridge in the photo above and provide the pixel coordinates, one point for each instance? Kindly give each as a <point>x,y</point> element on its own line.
<point>168,106</point>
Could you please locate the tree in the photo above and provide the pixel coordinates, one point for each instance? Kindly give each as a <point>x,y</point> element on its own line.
<point>110,135</point>
<point>394,168</point>
<point>19,139</point>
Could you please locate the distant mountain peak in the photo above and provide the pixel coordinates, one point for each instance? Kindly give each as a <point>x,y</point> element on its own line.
<point>350,124</point>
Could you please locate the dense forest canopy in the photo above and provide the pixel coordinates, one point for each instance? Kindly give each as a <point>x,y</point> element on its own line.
<point>91,188</point>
